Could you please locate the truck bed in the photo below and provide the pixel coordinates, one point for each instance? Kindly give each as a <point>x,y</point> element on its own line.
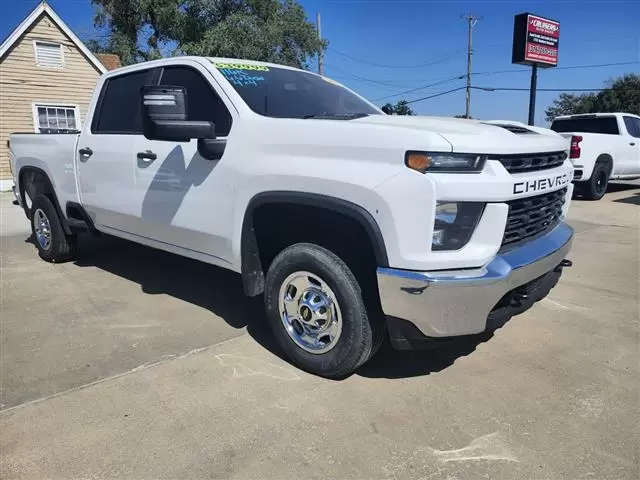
<point>53,153</point>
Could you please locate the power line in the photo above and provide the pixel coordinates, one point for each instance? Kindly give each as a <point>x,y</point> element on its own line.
<point>382,65</point>
<point>515,89</point>
<point>438,94</point>
<point>389,83</point>
<point>440,82</point>
<point>570,67</point>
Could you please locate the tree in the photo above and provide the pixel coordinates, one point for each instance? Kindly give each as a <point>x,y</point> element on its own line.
<point>622,95</point>
<point>400,108</point>
<point>267,30</point>
<point>403,108</point>
<point>387,108</point>
<point>569,104</point>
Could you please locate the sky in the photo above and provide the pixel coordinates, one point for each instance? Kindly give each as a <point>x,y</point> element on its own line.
<point>384,47</point>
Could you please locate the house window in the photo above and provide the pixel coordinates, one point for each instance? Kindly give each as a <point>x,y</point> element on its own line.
<point>56,119</point>
<point>48,54</point>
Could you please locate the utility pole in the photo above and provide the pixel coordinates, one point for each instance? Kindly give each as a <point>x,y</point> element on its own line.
<point>532,94</point>
<point>471,20</point>
<point>320,53</point>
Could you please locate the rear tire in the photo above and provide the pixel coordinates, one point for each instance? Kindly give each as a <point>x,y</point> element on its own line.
<point>596,186</point>
<point>335,338</point>
<point>53,244</point>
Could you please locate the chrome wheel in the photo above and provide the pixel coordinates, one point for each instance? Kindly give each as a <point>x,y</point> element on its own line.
<point>42,228</point>
<point>310,312</point>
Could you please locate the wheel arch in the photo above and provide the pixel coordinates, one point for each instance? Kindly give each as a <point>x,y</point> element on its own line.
<point>251,264</point>
<point>606,158</point>
<point>49,190</point>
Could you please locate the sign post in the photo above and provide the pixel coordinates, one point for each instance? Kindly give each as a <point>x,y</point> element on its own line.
<point>535,43</point>
<point>532,94</point>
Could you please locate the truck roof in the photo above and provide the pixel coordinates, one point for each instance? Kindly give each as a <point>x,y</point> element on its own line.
<point>594,115</point>
<point>236,61</point>
<point>231,61</point>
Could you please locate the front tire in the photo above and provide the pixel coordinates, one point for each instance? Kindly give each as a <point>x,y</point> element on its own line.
<point>315,308</point>
<point>596,186</point>
<point>53,244</point>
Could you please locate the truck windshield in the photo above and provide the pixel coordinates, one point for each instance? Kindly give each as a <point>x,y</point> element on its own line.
<point>284,93</point>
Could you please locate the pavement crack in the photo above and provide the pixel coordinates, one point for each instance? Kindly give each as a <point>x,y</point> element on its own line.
<point>145,366</point>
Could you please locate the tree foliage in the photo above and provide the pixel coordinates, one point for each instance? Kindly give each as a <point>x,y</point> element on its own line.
<point>622,95</point>
<point>267,30</point>
<point>400,108</point>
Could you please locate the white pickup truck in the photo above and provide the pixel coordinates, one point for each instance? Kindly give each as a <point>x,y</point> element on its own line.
<point>604,146</point>
<point>352,223</point>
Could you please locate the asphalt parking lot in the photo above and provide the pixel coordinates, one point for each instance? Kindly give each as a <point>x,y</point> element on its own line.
<point>134,363</point>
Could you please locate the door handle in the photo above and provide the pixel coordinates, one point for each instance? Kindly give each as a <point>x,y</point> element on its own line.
<point>147,156</point>
<point>85,152</point>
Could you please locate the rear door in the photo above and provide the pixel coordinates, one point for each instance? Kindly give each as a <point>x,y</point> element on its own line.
<point>106,155</point>
<point>182,198</point>
<point>631,146</point>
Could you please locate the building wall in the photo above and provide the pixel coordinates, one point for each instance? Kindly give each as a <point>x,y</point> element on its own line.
<point>23,83</point>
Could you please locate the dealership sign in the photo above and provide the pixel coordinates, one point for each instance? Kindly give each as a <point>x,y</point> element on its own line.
<point>535,40</point>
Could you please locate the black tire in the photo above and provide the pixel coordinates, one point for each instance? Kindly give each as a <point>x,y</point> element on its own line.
<point>60,247</point>
<point>361,334</point>
<point>596,186</point>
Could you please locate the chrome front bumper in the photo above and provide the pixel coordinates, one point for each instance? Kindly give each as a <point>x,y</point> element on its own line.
<point>451,303</point>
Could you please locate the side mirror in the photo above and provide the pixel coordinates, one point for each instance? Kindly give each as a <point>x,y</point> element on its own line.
<point>164,116</point>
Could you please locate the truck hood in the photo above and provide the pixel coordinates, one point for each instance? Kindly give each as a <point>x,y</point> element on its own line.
<point>474,136</point>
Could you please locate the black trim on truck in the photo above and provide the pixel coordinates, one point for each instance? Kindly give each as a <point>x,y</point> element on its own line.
<point>50,190</point>
<point>79,219</point>
<point>252,273</point>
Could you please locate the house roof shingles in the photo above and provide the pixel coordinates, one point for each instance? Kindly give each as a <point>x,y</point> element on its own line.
<point>111,61</point>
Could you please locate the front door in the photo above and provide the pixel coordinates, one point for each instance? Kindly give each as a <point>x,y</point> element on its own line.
<point>183,198</point>
<point>106,155</point>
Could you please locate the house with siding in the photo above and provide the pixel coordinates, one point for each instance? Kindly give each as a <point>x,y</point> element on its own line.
<point>47,77</point>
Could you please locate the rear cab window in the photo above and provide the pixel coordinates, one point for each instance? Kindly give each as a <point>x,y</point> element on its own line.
<point>604,125</point>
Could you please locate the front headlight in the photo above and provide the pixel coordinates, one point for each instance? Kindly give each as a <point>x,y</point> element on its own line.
<point>444,162</point>
<point>454,224</point>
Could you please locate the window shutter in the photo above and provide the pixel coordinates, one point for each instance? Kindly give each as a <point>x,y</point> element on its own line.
<point>49,55</point>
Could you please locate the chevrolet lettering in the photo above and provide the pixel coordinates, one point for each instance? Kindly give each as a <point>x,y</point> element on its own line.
<point>352,225</point>
<point>541,184</point>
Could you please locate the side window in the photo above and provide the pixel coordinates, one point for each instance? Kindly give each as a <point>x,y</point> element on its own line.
<point>202,101</point>
<point>633,126</point>
<point>608,125</point>
<point>119,109</point>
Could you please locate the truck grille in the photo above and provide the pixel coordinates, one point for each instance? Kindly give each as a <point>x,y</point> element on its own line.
<point>530,162</point>
<point>534,215</point>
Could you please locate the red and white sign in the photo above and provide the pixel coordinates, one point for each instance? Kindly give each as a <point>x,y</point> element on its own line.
<point>541,45</point>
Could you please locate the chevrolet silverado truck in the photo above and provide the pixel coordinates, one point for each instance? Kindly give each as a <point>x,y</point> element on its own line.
<point>354,225</point>
<point>604,146</point>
